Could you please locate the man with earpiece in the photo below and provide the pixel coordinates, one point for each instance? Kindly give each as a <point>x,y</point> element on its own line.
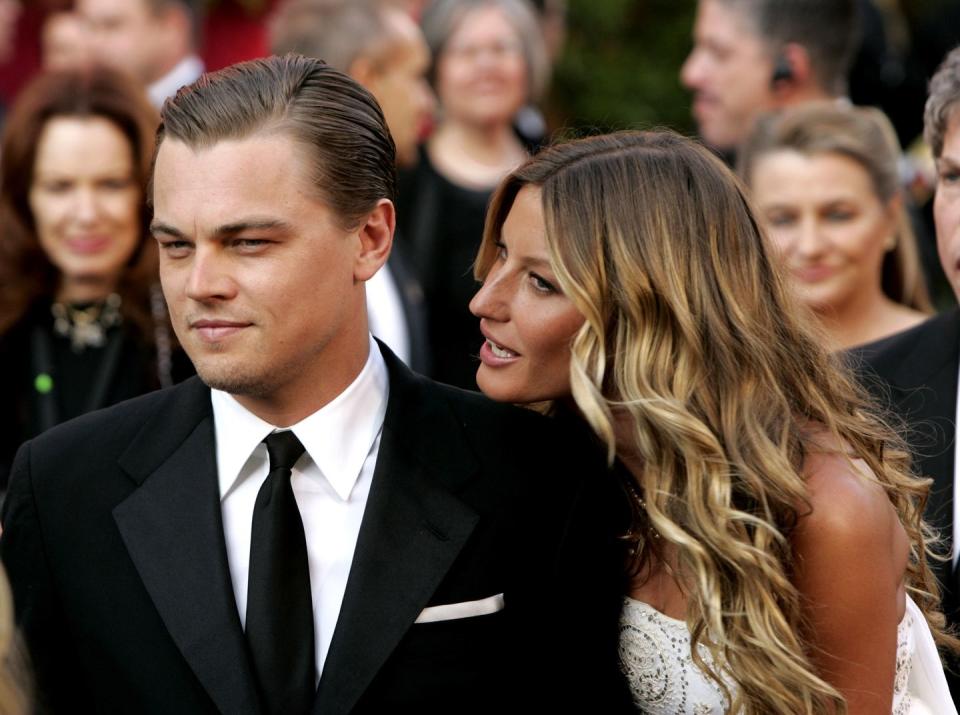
<point>754,56</point>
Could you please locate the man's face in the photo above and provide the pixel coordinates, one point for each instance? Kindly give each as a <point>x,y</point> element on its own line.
<point>729,71</point>
<point>126,35</point>
<point>259,274</point>
<point>399,84</point>
<point>946,203</point>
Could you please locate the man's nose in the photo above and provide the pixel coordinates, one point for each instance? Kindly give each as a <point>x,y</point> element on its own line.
<point>209,278</point>
<point>691,72</point>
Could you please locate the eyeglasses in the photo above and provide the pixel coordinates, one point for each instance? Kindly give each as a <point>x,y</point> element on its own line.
<point>498,51</point>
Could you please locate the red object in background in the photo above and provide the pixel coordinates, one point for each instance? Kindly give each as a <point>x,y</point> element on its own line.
<point>231,34</point>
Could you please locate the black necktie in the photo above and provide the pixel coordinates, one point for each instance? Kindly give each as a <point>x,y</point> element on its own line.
<point>279,624</point>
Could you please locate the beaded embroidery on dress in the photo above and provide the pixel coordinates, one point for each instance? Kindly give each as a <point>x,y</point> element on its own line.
<point>663,679</point>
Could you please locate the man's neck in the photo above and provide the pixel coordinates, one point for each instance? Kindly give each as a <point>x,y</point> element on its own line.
<point>308,392</point>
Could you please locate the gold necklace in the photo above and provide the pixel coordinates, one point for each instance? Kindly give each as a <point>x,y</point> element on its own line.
<point>86,327</point>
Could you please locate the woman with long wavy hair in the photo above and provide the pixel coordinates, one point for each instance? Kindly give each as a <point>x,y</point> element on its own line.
<point>777,561</point>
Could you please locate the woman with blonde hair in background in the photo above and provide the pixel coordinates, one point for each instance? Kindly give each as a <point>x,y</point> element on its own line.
<point>826,182</point>
<point>776,557</point>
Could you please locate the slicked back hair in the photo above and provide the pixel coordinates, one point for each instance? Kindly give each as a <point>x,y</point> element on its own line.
<point>339,124</point>
<point>829,30</point>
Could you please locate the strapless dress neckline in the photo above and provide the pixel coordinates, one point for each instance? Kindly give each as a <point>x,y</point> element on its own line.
<point>655,658</point>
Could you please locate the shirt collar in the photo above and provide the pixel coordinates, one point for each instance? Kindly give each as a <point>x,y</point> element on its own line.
<point>338,436</point>
<point>184,72</point>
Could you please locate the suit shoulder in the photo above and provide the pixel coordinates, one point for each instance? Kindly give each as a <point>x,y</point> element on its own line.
<point>893,350</point>
<point>479,410</point>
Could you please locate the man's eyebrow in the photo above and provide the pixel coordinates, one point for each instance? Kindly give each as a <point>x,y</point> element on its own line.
<point>160,227</point>
<point>253,224</point>
<point>229,229</point>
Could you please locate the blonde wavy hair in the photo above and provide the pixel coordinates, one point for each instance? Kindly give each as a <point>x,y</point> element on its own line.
<point>691,332</point>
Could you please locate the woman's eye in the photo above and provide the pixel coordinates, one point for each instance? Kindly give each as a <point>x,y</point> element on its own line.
<point>56,187</point>
<point>117,184</point>
<point>542,285</point>
<point>838,215</point>
<point>501,250</point>
<point>780,220</point>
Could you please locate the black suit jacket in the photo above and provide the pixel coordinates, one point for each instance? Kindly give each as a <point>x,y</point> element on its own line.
<point>914,375</point>
<point>114,546</point>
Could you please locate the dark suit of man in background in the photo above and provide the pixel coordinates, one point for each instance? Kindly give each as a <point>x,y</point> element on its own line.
<point>437,552</point>
<point>381,47</point>
<point>915,372</point>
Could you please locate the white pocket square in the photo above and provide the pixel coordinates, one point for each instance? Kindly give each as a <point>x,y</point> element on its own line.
<point>451,611</point>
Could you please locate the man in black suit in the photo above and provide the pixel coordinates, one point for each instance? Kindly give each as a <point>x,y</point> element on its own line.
<point>307,526</point>
<point>915,372</point>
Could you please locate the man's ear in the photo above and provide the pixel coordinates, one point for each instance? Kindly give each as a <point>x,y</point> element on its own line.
<point>375,240</point>
<point>363,70</point>
<point>792,72</point>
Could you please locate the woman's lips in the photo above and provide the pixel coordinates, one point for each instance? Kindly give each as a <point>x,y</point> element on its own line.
<point>496,355</point>
<point>813,274</point>
<point>88,244</point>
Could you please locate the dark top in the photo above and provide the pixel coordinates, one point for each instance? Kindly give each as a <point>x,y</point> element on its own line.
<point>442,224</point>
<point>913,374</point>
<point>82,381</point>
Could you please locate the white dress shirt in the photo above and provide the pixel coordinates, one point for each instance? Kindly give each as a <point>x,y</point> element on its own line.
<point>184,72</point>
<point>331,482</point>
<point>385,313</point>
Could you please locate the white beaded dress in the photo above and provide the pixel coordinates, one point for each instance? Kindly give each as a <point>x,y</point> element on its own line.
<point>664,680</point>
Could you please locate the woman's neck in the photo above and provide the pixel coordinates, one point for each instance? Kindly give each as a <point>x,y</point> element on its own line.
<point>84,290</point>
<point>866,318</point>
<point>476,156</point>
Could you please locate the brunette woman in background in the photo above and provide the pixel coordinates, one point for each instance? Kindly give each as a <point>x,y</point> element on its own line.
<point>82,321</point>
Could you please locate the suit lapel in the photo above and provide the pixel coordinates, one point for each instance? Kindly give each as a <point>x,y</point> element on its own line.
<point>413,529</point>
<point>173,531</point>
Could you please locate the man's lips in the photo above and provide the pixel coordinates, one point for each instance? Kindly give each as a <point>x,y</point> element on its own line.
<point>213,331</point>
<point>704,104</point>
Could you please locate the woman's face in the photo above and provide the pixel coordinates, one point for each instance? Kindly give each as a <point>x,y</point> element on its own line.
<point>528,324</point>
<point>481,71</point>
<point>824,216</point>
<point>85,198</point>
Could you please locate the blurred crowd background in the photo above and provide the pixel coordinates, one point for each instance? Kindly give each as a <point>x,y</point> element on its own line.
<point>618,61</point>
<point>469,88</point>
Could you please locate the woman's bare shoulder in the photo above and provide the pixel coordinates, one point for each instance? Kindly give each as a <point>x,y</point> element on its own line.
<point>849,520</point>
